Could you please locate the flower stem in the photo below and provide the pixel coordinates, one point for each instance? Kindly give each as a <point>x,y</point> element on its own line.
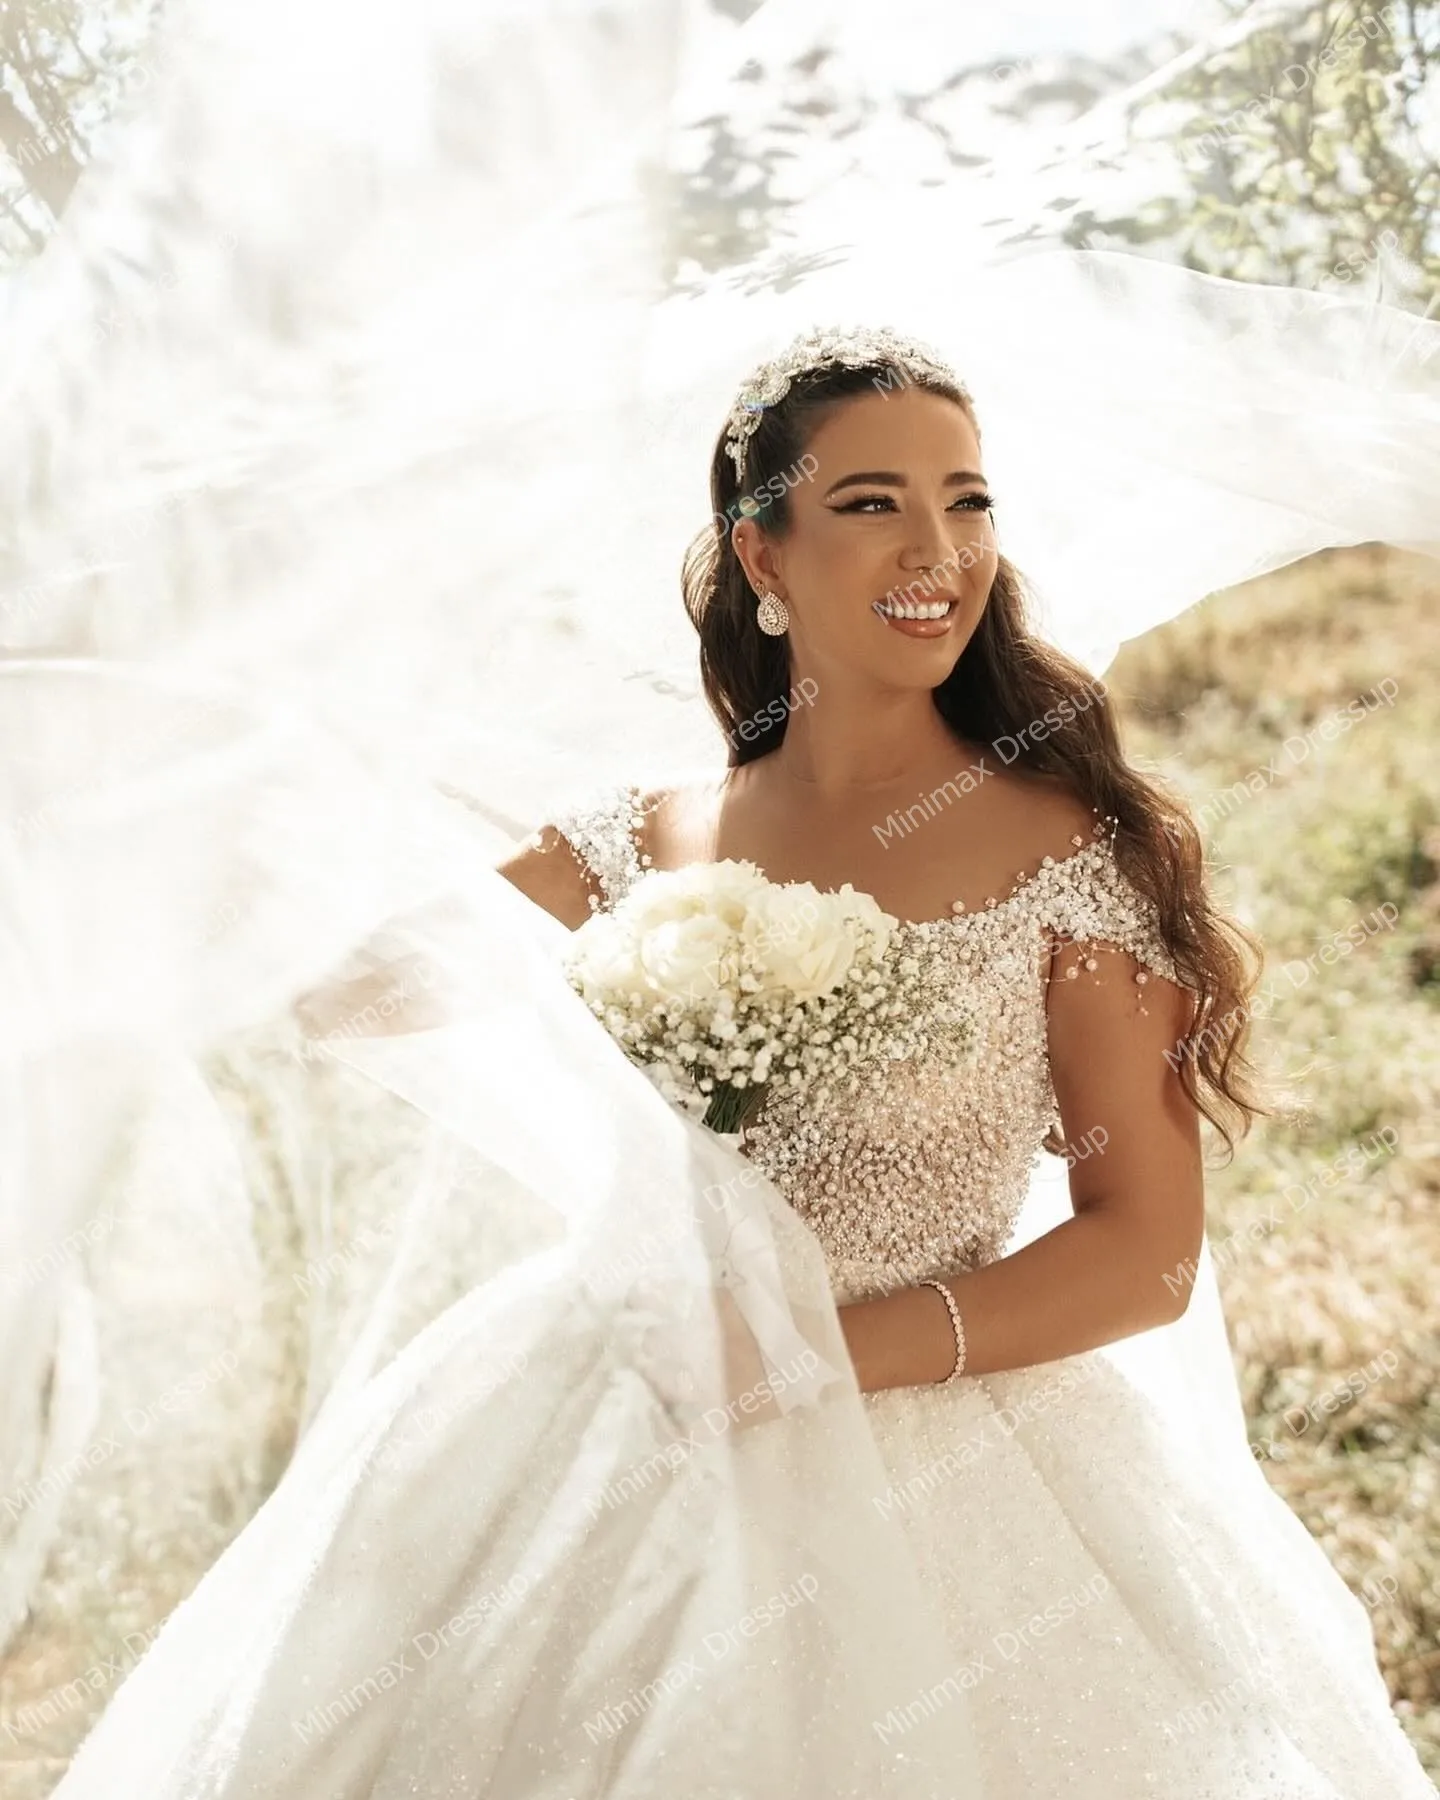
<point>730,1107</point>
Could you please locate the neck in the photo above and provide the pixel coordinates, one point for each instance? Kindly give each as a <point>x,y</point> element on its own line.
<point>859,745</point>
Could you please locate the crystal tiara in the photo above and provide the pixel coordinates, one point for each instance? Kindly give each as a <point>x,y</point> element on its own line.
<point>820,347</point>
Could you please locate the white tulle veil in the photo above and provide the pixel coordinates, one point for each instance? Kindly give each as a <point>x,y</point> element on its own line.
<point>346,556</point>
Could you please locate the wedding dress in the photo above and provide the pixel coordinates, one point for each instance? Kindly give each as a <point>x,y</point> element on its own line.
<point>1128,1606</point>
<point>616,1521</point>
<point>375,495</point>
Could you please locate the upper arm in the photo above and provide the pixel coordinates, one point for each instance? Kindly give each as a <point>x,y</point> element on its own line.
<point>547,870</point>
<point>1115,1025</point>
<point>384,991</point>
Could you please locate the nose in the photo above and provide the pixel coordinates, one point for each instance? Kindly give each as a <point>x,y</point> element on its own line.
<point>932,540</point>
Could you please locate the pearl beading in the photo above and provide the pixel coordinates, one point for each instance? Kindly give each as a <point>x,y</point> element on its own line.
<point>920,1171</point>
<point>825,346</point>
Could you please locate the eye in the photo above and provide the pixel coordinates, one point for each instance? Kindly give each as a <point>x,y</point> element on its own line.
<point>964,503</point>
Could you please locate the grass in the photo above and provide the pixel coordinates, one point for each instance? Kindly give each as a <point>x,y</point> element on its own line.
<point>1339,829</point>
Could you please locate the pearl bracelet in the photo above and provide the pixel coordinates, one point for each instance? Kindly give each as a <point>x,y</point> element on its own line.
<point>959,1328</point>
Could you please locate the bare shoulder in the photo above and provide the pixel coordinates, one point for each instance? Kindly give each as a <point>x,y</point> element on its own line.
<point>1039,815</point>
<point>673,823</point>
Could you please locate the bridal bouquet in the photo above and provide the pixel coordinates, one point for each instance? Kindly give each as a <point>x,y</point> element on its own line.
<point>721,983</point>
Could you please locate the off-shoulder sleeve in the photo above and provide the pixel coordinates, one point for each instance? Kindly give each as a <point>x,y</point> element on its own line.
<point>600,827</point>
<point>1090,902</point>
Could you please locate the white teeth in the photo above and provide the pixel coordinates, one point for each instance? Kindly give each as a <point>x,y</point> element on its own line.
<point>912,609</point>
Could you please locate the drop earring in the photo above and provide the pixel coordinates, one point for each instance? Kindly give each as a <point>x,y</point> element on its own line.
<point>771,614</point>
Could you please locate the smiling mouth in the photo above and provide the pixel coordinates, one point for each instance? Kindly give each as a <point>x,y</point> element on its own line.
<point>897,611</point>
<point>892,608</point>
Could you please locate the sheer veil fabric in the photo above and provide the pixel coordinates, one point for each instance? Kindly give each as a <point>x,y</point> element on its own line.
<point>377,500</point>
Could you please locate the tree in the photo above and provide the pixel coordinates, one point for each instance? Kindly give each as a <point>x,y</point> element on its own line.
<point>1299,148</point>
<point>64,69</point>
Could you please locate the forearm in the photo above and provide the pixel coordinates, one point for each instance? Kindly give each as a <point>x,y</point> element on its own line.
<point>387,985</point>
<point>1085,1283</point>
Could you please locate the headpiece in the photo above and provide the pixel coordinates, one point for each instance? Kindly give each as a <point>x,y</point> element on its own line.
<point>821,347</point>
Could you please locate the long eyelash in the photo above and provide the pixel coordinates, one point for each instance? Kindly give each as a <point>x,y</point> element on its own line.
<point>966,502</point>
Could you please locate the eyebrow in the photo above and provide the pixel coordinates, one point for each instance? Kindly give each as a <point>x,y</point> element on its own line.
<point>889,478</point>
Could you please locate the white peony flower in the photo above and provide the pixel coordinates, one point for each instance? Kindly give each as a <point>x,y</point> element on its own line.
<point>691,958</point>
<point>875,925</point>
<point>796,954</point>
<point>603,956</point>
<point>808,941</point>
<point>720,890</point>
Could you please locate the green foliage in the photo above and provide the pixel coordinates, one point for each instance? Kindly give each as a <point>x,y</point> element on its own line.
<point>1299,153</point>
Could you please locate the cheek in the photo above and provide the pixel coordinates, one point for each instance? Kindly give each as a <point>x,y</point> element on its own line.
<point>975,565</point>
<point>824,561</point>
<point>977,534</point>
<point>839,545</point>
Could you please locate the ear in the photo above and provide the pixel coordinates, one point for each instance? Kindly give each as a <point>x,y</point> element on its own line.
<point>759,557</point>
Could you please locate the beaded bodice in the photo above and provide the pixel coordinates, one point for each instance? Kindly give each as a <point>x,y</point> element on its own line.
<point>923,1169</point>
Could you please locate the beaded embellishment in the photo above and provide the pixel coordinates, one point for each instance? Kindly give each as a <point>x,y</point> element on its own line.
<point>818,348</point>
<point>923,1169</point>
<point>605,835</point>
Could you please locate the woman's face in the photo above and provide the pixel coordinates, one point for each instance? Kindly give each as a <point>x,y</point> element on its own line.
<point>891,522</point>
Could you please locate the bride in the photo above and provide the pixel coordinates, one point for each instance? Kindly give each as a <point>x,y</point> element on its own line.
<point>630,1461</point>
<point>793,1470</point>
<point>1124,1616</point>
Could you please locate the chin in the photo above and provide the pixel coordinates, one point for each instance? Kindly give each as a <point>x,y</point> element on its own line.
<point>932,667</point>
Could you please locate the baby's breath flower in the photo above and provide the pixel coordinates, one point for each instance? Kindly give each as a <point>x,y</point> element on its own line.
<point>720,984</point>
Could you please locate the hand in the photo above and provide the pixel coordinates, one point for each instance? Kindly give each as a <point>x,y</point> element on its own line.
<point>383,999</point>
<point>748,1396</point>
<point>749,1392</point>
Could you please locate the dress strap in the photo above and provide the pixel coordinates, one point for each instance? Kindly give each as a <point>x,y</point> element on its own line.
<point>1085,900</point>
<point>603,830</point>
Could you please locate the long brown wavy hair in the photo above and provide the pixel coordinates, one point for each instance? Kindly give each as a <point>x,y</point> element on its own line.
<point>1005,679</point>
